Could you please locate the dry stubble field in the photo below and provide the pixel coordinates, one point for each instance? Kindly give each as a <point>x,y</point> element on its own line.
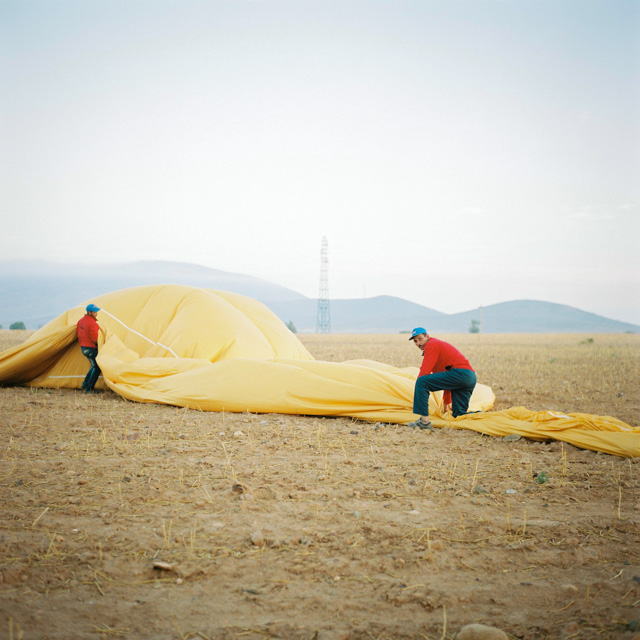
<point>276,526</point>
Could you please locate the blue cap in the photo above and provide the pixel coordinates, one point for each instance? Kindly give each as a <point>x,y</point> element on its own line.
<point>417,331</point>
<point>92,308</point>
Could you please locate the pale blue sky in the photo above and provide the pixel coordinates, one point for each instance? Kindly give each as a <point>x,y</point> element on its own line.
<point>454,153</point>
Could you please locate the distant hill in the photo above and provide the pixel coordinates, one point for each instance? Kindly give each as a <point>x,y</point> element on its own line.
<point>381,314</point>
<point>534,316</point>
<point>386,314</point>
<point>36,292</point>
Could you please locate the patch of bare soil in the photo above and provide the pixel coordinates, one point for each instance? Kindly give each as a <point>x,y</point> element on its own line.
<point>124,520</point>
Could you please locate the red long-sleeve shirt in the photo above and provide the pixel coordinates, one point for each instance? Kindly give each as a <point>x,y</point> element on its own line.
<point>87,331</point>
<point>439,356</point>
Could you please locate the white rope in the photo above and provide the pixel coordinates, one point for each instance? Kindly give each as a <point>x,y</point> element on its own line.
<point>157,344</point>
<point>54,377</point>
<point>40,378</point>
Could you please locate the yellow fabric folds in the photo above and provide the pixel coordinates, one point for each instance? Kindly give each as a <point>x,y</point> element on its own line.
<point>217,351</point>
<point>598,433</point>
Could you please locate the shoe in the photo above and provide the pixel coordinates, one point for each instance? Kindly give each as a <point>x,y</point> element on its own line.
<point>420,424</point>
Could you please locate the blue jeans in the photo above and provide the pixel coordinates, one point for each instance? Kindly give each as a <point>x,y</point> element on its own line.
<point>460,382</point>
<point>94,372</point>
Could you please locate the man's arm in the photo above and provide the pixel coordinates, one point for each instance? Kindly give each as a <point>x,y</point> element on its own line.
<point>429,360</point>
<point>94,331</point>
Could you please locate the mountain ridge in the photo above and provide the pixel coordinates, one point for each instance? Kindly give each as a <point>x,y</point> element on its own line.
<point>35,292</point>
<point>514,316</point>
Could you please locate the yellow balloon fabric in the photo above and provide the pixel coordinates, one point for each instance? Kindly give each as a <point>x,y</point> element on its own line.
<point>598,433</point>
<point>218,351</point>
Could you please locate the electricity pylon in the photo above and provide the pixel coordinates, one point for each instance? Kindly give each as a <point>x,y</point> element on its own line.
<point>323,323</point>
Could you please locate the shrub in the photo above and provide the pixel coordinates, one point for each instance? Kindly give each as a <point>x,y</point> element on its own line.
<point>17,325</point>
<point>291,327</point>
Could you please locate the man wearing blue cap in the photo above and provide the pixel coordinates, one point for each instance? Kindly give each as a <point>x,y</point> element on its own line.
<point>87,331</point>
<point>443,368</point>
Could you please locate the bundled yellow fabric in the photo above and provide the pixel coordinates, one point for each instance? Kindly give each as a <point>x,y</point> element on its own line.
<point>218,351</point>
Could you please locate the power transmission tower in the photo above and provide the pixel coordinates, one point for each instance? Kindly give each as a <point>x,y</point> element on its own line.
<point>323,323</point>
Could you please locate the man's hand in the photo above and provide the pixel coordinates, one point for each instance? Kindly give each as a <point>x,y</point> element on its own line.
<point>447,407</point>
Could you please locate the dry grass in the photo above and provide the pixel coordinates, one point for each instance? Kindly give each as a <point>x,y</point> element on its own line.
<point>10,339</point>
<point>294,527</point>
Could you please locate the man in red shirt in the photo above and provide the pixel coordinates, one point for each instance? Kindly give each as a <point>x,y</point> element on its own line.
<point>443,368</point>
<point>87,331</point>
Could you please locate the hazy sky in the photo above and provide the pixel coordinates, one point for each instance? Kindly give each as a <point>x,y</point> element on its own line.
<point>454,153</point>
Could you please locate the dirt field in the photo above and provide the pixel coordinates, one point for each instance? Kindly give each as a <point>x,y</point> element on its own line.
<point>124,520</point>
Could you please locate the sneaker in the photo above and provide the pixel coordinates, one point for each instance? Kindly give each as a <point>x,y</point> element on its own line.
<point>420,424</point>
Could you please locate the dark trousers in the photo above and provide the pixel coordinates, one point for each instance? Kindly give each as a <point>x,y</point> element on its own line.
<point>460,382</point>
<point>94,373</point>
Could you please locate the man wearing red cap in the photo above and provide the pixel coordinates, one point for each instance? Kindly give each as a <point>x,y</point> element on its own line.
<point>443,368</point>
<point>87,331</point>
